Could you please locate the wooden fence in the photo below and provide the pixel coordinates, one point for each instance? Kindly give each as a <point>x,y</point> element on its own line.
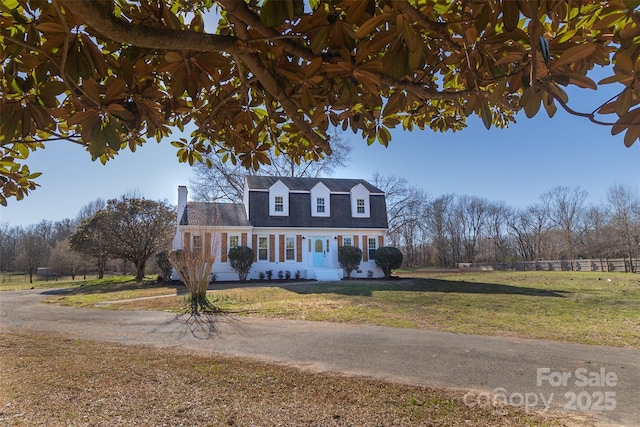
<point>618,264</point>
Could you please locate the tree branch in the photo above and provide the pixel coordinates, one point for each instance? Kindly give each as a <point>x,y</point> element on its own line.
<point>240,11</point>
<point>271,85</point>
<point>97,17</point>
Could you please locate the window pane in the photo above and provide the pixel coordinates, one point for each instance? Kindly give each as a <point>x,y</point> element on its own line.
<point>372,247</point>
<point>290,251</point>
<point>360,206</point>
<point>234,241</point>
<point>320,205</point>
<point>262,249</point>
<point>346,241</point>
<point>279,204</point>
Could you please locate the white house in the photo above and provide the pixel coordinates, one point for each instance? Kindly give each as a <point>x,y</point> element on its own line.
<point>293,225</point>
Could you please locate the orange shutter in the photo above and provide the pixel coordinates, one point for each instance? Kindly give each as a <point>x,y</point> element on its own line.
<point>365,249</point>
<point>281,248</point>
<point>254,246</point>
<point>272,248</point>
<point>339,241</point>
<point>244,239</point>
<point>207,245</point>
<point>299,248</point>
<point>224,251</point>
<point>380,241</point>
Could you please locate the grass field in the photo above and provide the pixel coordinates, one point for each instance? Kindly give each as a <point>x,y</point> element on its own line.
<point>590,308</point>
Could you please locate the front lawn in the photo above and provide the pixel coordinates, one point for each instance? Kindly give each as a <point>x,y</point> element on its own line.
<point>590,308</point>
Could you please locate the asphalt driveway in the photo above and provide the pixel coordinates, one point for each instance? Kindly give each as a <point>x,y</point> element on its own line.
<point>574,377</point>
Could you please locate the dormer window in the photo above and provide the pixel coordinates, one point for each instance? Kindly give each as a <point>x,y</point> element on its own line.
<point>279,204</point>
<point>360,202</point>
<point>278,199</point>
<point>320,200</point>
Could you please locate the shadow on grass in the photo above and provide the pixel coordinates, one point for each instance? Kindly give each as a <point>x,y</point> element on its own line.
<point>366,288</point>
<point>104,288</point>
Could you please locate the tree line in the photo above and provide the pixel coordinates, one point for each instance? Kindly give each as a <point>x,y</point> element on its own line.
<point>437,231</point>
<point>450,229</point>
<point>130,229</point>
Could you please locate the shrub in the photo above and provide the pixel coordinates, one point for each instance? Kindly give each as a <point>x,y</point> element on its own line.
<point>388,258</point>
<point>241,259</point>
<point>280,275</point>
<point>298,275</point>
<point>164,264</point>
<point>261,275</point>
<point>349,258</point>
<point>287,275</point>
<point>269,274</point>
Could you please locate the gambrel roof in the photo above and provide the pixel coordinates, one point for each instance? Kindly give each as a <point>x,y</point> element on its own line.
<point>335,185</point>
<point>299,213</point>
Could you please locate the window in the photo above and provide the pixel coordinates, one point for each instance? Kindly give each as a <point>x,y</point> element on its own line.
<point>320,205</point>
<point>372,247</point>
<point>279,204</point>
<point>347,241</point>
<point>263,249</point>
<point>234,241</point>
<point>360,206</point>
<point>197,244</point>
<point>290,248</point>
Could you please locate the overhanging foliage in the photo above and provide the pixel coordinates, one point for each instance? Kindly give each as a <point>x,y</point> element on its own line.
<point>275,73</point>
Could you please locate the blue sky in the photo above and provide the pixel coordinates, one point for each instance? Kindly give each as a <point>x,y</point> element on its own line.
<point>514,165</point>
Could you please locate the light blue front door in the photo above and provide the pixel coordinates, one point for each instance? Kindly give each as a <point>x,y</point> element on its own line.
<point>319,252</point>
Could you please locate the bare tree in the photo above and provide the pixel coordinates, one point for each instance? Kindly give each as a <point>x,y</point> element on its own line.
<point>221,180</point>
<point>471,214</point>
<point>194,262</point>
<point>598,235</point>
<point>624,203</point>
<point>66,261</point>
<point>565,207</point>
<point>32,251</point>
<point>406,210</point>
<point>529,228</point>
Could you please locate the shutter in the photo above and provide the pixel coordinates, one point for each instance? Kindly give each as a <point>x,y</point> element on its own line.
<point>207,245</point>
<point>356,242</point>
<point>244,239</point>
<point>254,246</point>
<point>380,241</point>
<point>339,241</point>
<point>365,249</point>
<point>299,248</point>
<point>272,248</point>
<point>224,250</point>
<point>281,247</point>
<point>187,241</point>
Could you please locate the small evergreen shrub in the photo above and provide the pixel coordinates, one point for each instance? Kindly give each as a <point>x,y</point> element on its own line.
<point>241,258</point>
<point>349,258</point>
<point>388,258</point>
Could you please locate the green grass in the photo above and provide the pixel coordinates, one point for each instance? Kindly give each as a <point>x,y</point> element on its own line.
<point>95,292</point>
<point>17,282</point>
<point>580,307</point>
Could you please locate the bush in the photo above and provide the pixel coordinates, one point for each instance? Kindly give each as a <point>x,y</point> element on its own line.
<point>349,258</point>
<point>388,258</point>
<point>241,259</point>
